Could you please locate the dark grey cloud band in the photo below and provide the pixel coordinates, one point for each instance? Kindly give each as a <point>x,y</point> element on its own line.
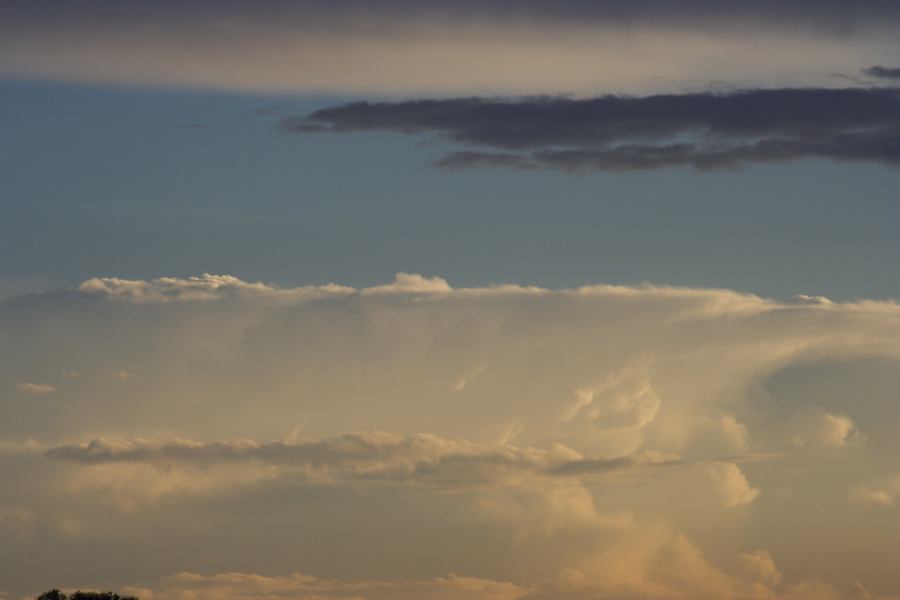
<point>829,16</point>
<point>701,130</point>
<point>883,72</point>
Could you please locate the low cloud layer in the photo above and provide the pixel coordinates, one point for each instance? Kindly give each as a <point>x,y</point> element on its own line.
<point>756,577</point>
<point>297,586</point>
<point>602,442</point>
<point>616,133</point>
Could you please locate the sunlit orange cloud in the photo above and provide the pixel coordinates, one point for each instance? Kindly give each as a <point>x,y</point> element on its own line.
<point>316,442</point>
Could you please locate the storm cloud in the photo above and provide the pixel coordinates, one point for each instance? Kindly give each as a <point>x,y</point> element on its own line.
<point>531,432</point>
<point>612,133</point>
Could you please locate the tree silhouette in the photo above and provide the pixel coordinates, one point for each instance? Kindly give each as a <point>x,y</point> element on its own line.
<point>58,595</point>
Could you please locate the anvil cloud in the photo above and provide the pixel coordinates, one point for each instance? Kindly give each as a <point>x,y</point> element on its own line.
<point>595,442</point>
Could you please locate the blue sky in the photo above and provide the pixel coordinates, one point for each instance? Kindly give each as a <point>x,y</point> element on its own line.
<point>108,181</point>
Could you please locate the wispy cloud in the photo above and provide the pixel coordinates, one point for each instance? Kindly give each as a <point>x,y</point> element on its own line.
<point>35,389</point>
<point>422,459</point>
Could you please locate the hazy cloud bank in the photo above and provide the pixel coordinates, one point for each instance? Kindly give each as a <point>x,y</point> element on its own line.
<point>402,47</point>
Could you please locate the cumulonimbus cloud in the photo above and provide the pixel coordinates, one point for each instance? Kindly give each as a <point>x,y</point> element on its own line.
<point>613,133</point>
<point>552,465</point>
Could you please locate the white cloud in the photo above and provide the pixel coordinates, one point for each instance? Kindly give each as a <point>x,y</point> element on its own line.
<point>885,491</point>
<point>759,566</point>
<point>622,401</point>
<point>123,375</point>
<point>861,593</point>
<point>837,430</point>
<point>721,433</point>
<point>203,287</point>
<point>869,495</point>
<point>35,389</point>
<point>406,283</point>
<point>732,486</point>
<point>815,426</point>
<point>666,566</point>
<point>296,586</point>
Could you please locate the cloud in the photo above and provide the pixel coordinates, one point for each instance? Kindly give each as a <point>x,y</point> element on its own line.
<point>168,289</point>
<point>759,566</point>
<point>420,459</point>
<point>123,375</point>
<point>731,484</point>
<point>883,492</point>
<point>609,432</point>
<point>818,427</point>
<point>837,430</point>
<point>875,496</point>
<point>587,466</point>
<point>723,432</point>
<point>16,523</point>
<point>297,586</point>
<point>666,567</point>
<point>625,400</point>
<point>410,283</point>
<point>407,46</point>
<point>861,593</point>
<point>610,133</point>
<point>35,389</point>
<point>883,72</point>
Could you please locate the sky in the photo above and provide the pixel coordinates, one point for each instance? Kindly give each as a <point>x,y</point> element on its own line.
<point>494,300</point>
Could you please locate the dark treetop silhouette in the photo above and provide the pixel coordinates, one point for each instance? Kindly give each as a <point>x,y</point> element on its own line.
<point>58,595</point>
